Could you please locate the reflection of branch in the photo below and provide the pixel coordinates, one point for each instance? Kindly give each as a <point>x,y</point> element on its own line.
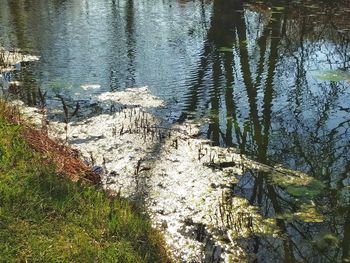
<point>192,96</point>
<point>203,15</point>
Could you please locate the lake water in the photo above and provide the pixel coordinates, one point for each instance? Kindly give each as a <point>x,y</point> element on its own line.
<point>269,78</point>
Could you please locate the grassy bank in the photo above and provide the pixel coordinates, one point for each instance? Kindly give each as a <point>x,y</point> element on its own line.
<point>45,217</point>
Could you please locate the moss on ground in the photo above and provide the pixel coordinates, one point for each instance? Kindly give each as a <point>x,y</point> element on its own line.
<point>47,218</point>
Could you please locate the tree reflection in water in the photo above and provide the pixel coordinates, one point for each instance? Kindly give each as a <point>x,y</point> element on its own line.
<point>271,77</point>
<point>264,99</point>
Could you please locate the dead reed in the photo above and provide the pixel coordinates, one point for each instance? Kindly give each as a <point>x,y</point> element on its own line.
<point>66,159</point>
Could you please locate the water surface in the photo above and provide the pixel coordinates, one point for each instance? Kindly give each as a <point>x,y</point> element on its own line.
<point>269,78</point>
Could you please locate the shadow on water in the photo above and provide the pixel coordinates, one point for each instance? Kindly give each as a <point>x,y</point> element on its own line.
<point>272,79</point>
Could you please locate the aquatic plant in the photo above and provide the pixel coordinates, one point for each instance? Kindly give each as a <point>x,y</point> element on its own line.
<point>67,115</point>
<point>9,59</point>
<point>43,109</point>
<point>332,75</point>
<point>241,219</point>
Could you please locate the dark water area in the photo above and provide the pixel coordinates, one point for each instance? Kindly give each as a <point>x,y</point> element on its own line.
<point>271,78</point>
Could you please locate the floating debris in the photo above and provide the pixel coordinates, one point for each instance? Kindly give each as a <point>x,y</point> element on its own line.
<point>181,179</point>
<point>9,59</point>
<point>132,96</point>
<point>90,86</point>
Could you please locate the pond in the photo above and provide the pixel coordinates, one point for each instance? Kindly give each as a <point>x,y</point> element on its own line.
<point>269,78</point>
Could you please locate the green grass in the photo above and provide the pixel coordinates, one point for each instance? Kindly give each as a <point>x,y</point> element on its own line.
<point>47,218</point>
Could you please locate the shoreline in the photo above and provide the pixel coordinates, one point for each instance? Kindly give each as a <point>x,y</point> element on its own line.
<point>185,184</point>
<point>143,161</point>
<point>181,180</point>
<point>52,206</point>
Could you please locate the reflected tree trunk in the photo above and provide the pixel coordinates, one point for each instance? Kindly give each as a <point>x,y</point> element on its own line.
<point>130,42</point>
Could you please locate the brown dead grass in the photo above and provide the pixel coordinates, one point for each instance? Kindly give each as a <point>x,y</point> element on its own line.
<point>65,159</point>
